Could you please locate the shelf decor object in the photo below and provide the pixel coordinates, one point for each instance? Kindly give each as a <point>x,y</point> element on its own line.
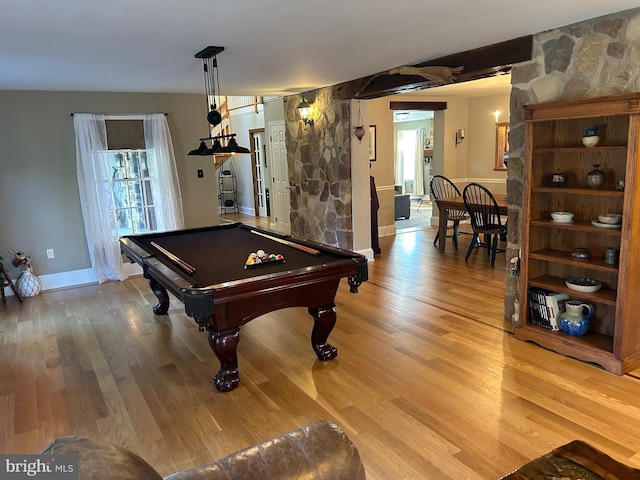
<point>573,321</point>
<point>584,285</point>
<point>548,256</point>
<point>596,178</point>
<point>562,217</point>
<point>590,141</point>
<point>581,254</point>
<point>590,138</point>
<point>557,179</point>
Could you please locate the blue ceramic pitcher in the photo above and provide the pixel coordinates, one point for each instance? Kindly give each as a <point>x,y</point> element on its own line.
<point>574,321</point>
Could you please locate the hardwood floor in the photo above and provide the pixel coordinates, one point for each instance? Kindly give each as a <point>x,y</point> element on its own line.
<point>427,383</point>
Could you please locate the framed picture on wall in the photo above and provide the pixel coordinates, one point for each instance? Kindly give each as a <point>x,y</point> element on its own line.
<point>372,143</point>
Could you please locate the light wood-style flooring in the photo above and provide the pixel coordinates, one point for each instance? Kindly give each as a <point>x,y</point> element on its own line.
<point>427,382</point>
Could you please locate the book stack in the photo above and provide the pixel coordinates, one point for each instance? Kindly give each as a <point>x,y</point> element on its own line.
<point>545,307</point>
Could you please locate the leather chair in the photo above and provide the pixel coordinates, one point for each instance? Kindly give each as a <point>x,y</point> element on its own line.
<point>318,451</point>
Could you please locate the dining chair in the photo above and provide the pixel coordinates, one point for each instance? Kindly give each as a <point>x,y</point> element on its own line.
<point>485,220</point>
<point>441,187</point>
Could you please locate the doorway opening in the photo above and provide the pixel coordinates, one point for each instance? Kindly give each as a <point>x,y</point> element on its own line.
<point>413,156</point>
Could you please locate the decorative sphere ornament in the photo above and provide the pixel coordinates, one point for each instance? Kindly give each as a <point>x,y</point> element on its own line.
<point>359,132</point>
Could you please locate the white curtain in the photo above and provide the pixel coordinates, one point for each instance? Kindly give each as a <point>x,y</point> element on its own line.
<point>163,172</point>
<point>96,193</point>
<point>409,163</point>
<point>399,163</point>
<point>418,159</point>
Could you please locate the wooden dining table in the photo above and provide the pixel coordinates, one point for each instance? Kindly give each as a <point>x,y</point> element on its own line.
<point>457,203</point>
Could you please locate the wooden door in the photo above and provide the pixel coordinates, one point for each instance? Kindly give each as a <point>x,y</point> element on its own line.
<point>280,188</point>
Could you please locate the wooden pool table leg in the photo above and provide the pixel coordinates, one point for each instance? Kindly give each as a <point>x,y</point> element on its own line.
<point>225,345</point>
<point>324,319</point>
<point>162,307</point>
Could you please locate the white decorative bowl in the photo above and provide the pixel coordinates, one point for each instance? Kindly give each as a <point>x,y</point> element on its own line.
<point>590,141</point>
<point>584,285</point>
<point>610,218</point>
<point>562,217</point>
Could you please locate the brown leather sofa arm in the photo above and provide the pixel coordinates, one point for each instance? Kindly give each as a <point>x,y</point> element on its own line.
<point>99,459</point>
<point>319,451</point>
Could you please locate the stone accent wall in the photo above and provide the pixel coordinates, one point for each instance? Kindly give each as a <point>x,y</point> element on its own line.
<point>588,59</point>
<point>319,160</point>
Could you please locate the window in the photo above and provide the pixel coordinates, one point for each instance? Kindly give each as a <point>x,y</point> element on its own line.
<point>130,177</point>
<point>132,192</point>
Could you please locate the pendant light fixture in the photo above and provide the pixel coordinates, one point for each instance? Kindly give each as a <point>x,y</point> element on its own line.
<point>212,96</point>
<point>358,130</point>
<point>217,148</point>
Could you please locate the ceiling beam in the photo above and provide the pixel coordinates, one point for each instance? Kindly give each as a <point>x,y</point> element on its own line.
<point>479,63</point>
<point>426,106</point>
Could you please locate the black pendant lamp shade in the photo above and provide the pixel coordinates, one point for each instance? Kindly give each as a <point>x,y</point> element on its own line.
<point>233,147</point>
<point>199,150</point>
<point>215,147</point>
<point>214,118</point>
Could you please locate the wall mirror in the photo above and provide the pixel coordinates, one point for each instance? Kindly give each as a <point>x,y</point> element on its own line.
<point>502,146</point>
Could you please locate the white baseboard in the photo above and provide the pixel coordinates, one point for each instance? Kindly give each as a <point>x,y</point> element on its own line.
<point>75,278</point>
<point>247,211</point>
<point>60,280</point>
<point>68,279</point>
<point>367,252</point>
<point>386,231</point>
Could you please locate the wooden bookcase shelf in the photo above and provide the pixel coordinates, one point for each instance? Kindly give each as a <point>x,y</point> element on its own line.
<point>553,145</point>
<point>579,191</point>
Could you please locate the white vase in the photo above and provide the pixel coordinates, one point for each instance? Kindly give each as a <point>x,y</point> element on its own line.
<point>28,284</point>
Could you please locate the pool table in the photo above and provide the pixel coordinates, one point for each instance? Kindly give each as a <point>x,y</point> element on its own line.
<point>205,269</point>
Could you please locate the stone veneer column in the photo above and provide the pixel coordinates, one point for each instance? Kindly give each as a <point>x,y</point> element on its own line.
<point>319,161</point>
<point>587,59</point>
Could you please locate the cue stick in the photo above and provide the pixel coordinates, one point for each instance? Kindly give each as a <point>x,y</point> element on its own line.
<point>181,263</point>
<point>303,248</point>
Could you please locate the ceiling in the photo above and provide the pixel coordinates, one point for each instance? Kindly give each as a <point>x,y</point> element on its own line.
<point>271,48</point>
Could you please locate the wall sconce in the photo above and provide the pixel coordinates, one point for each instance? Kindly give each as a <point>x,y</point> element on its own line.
<point>305,112</point>
<point>497,115</point>
<point>460,134</point>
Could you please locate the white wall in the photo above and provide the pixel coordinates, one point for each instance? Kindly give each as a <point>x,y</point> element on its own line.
<point>482,141</point>
<point>360,191</point>
<point>241,121</point>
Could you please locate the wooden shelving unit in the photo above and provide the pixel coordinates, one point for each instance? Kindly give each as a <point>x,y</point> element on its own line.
<point>553,144</point>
